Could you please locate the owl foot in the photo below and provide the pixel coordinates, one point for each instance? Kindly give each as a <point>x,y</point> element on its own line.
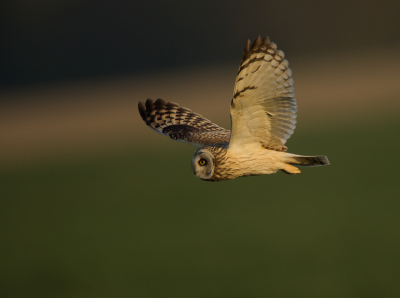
<point>291,170</point>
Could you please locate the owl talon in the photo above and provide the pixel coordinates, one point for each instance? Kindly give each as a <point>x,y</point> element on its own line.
<point>291,170</point>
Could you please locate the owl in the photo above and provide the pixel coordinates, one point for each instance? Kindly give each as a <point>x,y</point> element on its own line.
<point>263,117</point>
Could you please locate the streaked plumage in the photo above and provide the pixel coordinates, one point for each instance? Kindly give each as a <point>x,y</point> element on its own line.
<point>263,115</point>
<point>181,124</point>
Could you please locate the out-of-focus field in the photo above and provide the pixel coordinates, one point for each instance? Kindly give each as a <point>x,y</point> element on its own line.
<point>94,204</point>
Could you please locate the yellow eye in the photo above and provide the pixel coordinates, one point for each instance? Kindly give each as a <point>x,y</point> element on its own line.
<point>202,162</point>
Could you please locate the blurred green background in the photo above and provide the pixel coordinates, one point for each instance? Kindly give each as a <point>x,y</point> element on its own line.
<point>94,204</point>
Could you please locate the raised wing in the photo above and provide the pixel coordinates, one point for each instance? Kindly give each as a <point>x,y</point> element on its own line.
<point>181,124</point>
<point>263,108</point>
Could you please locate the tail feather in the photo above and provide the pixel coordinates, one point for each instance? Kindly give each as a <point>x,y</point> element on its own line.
<point>306,161</point>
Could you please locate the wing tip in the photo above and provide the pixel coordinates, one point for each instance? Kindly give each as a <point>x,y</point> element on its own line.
<point>149,105</point>
<point>160,103</point>
<point>247,46</point>
<point>257,44</point>
<point>142,111</point>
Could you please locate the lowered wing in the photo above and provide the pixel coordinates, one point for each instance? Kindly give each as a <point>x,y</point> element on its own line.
<point>181,124</point>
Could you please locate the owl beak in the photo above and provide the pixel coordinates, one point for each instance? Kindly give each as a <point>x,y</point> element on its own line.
<point>197,174</point>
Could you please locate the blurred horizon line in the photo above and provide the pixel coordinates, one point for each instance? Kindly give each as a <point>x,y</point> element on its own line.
<point>81,116</point>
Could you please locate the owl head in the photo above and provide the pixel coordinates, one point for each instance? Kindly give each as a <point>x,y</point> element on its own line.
<point>203,164</point>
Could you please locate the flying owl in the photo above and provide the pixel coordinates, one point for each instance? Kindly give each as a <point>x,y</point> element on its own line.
<point>263,116</point>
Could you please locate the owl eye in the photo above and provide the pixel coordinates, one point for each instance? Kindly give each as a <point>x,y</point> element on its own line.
<point>202,162</point>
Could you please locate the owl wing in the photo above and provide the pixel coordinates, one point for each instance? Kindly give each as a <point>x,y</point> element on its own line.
<point>181,124</point>
<point>263,108</point>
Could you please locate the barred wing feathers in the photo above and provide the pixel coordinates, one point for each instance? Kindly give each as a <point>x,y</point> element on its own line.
<point>181,124</point>
<point>263,108</point>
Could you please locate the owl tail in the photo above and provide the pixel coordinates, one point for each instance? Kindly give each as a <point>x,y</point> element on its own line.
<point>292,160</point>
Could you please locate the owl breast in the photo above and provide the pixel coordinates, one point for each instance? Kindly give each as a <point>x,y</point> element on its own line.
<point>234,164</point>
